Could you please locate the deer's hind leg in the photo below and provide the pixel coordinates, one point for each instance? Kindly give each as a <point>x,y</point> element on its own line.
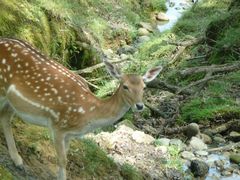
<point>6,115</point>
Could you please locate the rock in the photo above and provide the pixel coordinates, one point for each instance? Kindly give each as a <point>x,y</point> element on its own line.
<point>126,49</point>
<point>197,144</point>
<point>218,139</point>
<point>226,173</point>
<point>162,17</point>
<point>108,52</point>
<point>173,174</point>
<point>143,32</point>
<point>142,138</point>
<point>192,130</point>
<point>206,138</point>
<point>201,153</point>
<point>235,158</point>
<point>142,39</point>
<point>208,132</point>
<point>164,141</point>
<point>163,149</point>
<point>146,25</point>
<point>172,4</point>
<point>178,143</point>
<point>124,56</point>
<point>187,155</point>
<point>234,136</point>
<point>220,164</point>
<point>199,168</point>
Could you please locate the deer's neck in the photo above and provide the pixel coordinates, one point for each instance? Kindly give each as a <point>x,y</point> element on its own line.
<point>110,110</point>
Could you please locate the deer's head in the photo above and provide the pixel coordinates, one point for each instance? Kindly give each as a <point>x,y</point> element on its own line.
<point>132,85</point>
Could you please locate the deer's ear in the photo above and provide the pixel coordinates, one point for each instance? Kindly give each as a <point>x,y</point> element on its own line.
<point>112,69</point>
<point>151,74</point>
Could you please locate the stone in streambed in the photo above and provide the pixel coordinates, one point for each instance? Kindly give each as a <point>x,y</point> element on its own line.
<point>143,32</point>
<point>235,158</point>
<point>162,17</point>
<point>146,25</point>
<point>187,155</point>
<point>199,168</point>
<point>192,130</point>
<point>197,144</point>
<point>219,139</point>
<point>234,136</point>
<point>206,138</point>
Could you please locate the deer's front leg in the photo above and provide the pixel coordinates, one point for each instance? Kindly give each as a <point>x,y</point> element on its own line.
<point>5,117</point>
<point>60,146</point>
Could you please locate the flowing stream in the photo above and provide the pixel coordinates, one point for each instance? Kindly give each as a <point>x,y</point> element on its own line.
<point>175,9</point>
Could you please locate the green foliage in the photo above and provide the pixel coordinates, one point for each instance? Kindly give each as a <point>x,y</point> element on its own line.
<point>5,174</point>
<point>205,12</point>
<point>95,160</point>
<point>129,172</point>
<point>215,102</point>
<point>158,5</point>
<point>175,159</point>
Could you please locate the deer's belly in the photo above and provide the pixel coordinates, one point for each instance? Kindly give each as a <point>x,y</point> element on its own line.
<point>28,110</point>
<point>33,119</point>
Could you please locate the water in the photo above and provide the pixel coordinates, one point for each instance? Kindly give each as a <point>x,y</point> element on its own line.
<point>173,13</point>
<point>214,174</point>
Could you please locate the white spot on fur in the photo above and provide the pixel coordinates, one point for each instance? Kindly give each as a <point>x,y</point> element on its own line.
<point>4,61</point>
<point>81,110</point>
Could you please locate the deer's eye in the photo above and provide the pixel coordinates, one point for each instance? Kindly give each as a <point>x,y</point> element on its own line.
<point>125,87</point>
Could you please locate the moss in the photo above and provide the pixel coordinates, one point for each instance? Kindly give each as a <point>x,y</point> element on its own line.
<point>129,172</point>
<point>91,160</point>
<point>5,174</point>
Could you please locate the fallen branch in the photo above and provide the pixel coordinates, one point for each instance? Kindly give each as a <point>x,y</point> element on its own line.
<point>164,86</point>
<point>154,110</point>
<point>212,69</point>
<point>225,148</point>
<point>234,124</point>
<point>196,57</point>
<point>181,48</point>
<point>201,81</point>
<point>97,66</point>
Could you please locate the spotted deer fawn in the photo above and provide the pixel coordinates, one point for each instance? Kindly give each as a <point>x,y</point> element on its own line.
<point>42,92</point>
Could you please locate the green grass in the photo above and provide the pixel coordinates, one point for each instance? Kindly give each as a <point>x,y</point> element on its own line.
<point>96,162</point>
<point>129,172</point>
<point>217,101</point>
<point>4,174</point>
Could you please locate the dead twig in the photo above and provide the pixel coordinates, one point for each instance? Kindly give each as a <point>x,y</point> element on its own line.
<point>201,81</point>
<point>181,48</point>
<point>165,86</point>
<point>154,110</point>
<point>97,66</point>
<point>196,57</point>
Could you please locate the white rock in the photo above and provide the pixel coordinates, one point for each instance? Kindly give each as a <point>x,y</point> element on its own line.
<point>201,153</point>
<point>162,149</point>
<point>187,155</point>
<point>143,32</point>
<point>141,137</point>
<point>124,56</point>
<point>162,17</point>
<point>197,144</point>
<point>164,141</point>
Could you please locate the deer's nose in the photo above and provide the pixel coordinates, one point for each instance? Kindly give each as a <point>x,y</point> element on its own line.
<point>139,106</point>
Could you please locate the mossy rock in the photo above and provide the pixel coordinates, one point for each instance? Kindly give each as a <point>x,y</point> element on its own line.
<point>5,174</point>
<point>235,158</point>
